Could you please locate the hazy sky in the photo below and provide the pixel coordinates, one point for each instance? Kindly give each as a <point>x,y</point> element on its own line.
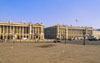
<point>51,12</point>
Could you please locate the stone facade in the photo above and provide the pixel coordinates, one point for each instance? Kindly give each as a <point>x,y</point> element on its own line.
<point>10,30</point>
<point>57,31</point>
<point>96,33</point>
<point>67,32</point>
<point>79,32</point>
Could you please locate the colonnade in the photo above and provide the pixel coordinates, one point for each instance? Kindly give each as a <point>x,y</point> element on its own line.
<point>19,32</point>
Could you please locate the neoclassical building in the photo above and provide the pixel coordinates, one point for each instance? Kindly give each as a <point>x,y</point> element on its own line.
<point>56,31</point>
<point>10,30</point>
<point>79,32</point>
<point>67,32</point>
<point>96,33</point>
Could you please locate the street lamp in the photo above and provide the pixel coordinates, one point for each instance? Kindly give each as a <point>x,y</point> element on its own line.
<point>65,36</point>
<point>84,36</point>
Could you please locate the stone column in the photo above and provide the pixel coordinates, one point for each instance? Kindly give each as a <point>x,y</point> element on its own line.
<point>42,32</point>
<point>23,32</point>
<point>7,29</point>
<point>3,30</point>
<point>42,29</point>
<point>14,29</point>
<point>14,32</point>
<point>33,30</point>
<point>0,29</point>
<point>38,30</point>
<point>19,30</point>
<point>10,29</point>
<point>0,32</point>
<point>66,32</point>
<point>3,33</point>
<point>30,33</point>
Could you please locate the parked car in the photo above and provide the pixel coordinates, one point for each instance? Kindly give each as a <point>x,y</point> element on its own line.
<point>91,38</point>
<point>57,40</point>
<point>24,38</point>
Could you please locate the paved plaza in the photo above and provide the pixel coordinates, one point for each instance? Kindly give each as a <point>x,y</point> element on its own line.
<point>49,52</point>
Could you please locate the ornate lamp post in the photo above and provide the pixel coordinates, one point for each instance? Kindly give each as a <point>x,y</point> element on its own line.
<point>84,36</point>
<point>65,36</point>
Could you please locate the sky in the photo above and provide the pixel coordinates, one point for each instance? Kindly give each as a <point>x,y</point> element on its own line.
<point>52,12</point>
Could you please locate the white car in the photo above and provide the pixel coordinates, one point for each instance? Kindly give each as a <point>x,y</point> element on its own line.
<point>24,38</point>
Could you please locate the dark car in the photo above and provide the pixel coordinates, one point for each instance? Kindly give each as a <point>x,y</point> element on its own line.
<point>57,40</point>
